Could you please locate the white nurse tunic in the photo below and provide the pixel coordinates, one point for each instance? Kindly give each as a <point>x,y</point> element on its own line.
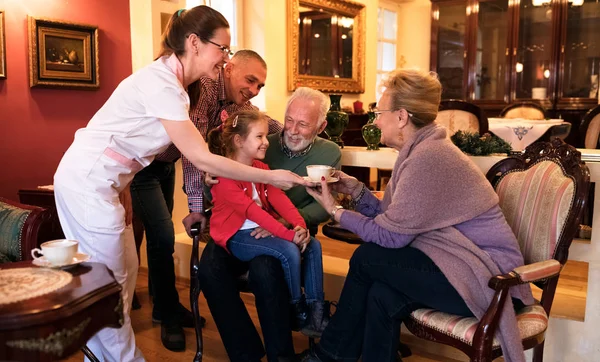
<point>122,138</point>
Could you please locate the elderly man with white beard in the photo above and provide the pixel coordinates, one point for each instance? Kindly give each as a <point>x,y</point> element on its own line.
<point>299,145</point>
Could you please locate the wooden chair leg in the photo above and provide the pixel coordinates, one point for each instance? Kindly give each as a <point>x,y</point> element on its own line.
<point>538,352</point>
<point>89,354</point>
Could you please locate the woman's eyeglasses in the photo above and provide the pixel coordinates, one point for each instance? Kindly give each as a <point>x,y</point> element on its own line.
<point>380,111</point>
<point>223,48</point>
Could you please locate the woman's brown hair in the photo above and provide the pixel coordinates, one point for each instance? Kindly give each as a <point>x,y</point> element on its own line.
<point>220,140</point>
<point>200,20</point>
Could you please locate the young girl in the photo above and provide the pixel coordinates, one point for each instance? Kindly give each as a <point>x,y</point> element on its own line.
<point>241,207</point>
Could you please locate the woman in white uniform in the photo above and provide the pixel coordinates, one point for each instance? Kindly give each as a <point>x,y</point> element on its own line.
<point>147,111</point>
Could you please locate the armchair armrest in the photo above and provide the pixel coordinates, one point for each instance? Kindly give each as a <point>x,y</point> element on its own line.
<point>537,271</point>
<point>526,274</point>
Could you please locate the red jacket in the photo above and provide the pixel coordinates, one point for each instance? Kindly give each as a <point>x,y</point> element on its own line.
<point>233,204</point>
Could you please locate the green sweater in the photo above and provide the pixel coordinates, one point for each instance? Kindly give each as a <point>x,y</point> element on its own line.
<point>323,152</point>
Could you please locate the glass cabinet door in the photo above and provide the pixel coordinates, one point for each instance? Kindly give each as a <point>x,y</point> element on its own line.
<point>533,52</point>
<point>491,54</point>
<point>451,18</point>
<point>580,52</point>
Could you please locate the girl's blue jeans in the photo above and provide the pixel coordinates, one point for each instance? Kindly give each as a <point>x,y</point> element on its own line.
<point>297,267</point>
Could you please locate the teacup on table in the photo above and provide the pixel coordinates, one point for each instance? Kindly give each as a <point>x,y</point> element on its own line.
<point>315,172</point>
<point>57,252</point>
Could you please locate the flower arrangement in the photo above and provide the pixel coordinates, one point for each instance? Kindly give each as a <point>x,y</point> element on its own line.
<point>473,144</point>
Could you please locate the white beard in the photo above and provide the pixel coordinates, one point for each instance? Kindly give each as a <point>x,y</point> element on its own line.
<point>297,147</point>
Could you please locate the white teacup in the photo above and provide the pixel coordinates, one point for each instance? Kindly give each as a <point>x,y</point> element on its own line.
<point>57,252</point>
<point>315,172</point>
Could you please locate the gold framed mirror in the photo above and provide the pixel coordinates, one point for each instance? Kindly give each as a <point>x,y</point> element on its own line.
<point>326,45</point>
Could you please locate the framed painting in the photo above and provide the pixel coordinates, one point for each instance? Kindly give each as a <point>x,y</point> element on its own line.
<point>2,47</point>
<point>63,55</point>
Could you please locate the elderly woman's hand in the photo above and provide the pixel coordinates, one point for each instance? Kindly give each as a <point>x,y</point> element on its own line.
<point>324,196</point>
<point>347,184</point>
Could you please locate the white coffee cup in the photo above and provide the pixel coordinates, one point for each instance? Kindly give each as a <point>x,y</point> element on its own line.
<point>315,172</point>
<point>57,252</point>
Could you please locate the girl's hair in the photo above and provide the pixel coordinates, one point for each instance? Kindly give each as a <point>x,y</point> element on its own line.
<point>200,20</point>
<point>220,139</point>
<point>417,91</point>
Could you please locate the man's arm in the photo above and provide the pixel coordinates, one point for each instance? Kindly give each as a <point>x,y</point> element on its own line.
<point>192,177</point>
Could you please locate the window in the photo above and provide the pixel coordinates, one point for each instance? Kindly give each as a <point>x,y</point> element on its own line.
<point>387,38</point>
<point>231,10</point>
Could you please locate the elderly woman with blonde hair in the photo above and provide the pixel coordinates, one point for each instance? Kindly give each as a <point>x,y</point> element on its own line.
<point>434,240</point>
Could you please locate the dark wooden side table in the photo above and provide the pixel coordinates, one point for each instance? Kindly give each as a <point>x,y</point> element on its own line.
<point>58,324</point>
<point>45,198</point>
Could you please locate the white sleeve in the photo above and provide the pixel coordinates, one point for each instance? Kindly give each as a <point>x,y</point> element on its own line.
<point>167,101</point>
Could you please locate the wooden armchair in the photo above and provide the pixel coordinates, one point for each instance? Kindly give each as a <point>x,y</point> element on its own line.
<point>541,195</point>
<point>22,228</point>
<point>457,115</point>
<point>528,110</point>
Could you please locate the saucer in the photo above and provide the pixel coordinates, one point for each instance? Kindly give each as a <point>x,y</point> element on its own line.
<point>329,181</point>
<point>77,259</point>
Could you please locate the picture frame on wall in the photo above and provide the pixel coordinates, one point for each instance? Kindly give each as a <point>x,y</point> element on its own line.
<point>2,47</point>
<point>63,54</point>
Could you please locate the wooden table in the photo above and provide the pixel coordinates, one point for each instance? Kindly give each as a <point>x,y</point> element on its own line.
<point>55,325</point>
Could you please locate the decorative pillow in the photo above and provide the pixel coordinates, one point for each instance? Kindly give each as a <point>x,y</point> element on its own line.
<point>531,321</point>
<point>12,220</point>
<point>536,203</point>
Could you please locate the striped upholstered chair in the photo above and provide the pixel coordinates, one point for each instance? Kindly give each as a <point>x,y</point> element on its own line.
<point>541,195</point>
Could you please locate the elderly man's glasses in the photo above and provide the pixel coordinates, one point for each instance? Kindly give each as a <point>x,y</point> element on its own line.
<point>223,48</point>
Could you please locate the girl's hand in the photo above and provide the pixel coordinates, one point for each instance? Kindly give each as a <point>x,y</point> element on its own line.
<point>347,184</point>
<point>302,237</point>
<point>260,233</point>
<point>285,179</point>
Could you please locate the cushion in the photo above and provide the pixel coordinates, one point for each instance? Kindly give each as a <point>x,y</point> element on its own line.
<point>525,112</point>
<point>12,220</point>
<point>536,203</point>
<point>455,120</point>
<point>531,320</point>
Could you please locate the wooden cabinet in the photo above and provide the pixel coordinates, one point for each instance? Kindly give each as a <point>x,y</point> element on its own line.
<point>495,52</point>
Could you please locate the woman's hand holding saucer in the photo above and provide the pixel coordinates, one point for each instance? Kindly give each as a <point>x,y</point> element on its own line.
<point>324,196</point>
<point>346,185</point>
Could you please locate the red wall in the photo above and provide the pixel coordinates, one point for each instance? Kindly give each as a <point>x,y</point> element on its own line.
<point>37,125</point>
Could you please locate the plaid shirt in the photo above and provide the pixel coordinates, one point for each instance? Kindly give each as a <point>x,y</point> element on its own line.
<point>206,116</point>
